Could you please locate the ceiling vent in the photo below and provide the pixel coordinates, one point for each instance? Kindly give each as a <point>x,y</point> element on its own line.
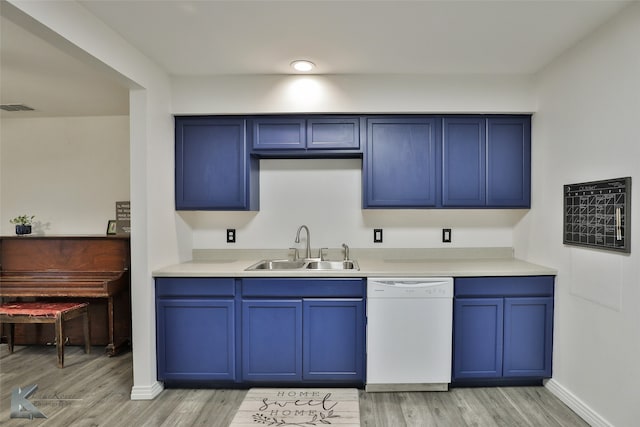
<point>15,107</point>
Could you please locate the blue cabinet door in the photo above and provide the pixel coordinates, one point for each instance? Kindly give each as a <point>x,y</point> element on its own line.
<point>333,343</point>
<point>509,161</point>
<point>528,332</point>
<point>503,328</point>
<point>401,165</point>
<point>272,340</point>
<point>337,133</point>
<point>464,162</point>
<point>196,339</point>
<point>477,338</point>
<point>279,133</point>
<point>213,167</point>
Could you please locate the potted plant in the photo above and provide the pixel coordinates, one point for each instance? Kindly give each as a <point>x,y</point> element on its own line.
<point>23,224</point>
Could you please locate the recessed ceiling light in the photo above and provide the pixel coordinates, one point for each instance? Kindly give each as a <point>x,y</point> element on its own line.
<point>303,65</point>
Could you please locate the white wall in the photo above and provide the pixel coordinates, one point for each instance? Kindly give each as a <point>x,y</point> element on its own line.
<point>353,93</point>
<point>325,194</point>
<point>159,237</point>
<point>333,209</point>
<point>587,129</point>
<point>68,172</point>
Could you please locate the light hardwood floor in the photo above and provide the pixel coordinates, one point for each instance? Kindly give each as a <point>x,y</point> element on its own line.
<point>93,390</point>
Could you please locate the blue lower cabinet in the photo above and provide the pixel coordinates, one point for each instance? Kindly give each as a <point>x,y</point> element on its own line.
<point>478,324</point>
<point>260,331</point>
<point>196,339</point>
<point>272,340</point>
<point>502,328</point>
<point>528,333</point>
<point>310,340</point>
<point>333,343</point>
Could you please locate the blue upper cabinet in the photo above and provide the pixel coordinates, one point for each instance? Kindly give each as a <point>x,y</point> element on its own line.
<point>282,133</point>
<point>411,162</point>
<point>301,136</point>
<point>464,164</point>
<point>486,162</point>
<point>213,168</point>
<point>509,161</point>
<point>401,164</point>
<point>333,133</point>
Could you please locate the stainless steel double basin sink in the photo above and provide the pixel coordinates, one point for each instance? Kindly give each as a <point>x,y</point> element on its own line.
<point>302,265</point>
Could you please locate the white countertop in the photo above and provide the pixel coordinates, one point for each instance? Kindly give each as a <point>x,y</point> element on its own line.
<point>384,263</point>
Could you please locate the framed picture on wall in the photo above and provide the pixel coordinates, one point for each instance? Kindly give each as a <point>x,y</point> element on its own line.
<point>111,227</point>
<point>597,214</point>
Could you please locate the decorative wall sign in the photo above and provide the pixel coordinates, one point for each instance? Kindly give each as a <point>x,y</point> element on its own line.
<point>597,214</point>
<point>123,217</point>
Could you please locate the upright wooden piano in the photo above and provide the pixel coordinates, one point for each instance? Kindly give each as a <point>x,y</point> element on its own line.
<point>94,269</point>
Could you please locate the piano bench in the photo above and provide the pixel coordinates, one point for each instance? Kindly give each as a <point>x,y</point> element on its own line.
<point>46,312</point>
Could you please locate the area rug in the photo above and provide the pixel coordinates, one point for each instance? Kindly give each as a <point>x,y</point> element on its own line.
<point>299,407</point>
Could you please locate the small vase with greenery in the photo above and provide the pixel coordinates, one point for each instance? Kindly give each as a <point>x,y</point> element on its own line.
<point>23,224</point>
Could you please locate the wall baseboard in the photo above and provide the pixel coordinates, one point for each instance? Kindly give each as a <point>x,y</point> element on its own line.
<point>146,392</point>
<point>578,406</point>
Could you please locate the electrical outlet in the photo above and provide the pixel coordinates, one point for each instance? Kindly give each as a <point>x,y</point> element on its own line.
<point>446,235</point>
<point>231,235</point>
<point>377,235</point>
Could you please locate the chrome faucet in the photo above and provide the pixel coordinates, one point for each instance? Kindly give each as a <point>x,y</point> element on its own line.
<point>308,239</point>
<point>346,251</point>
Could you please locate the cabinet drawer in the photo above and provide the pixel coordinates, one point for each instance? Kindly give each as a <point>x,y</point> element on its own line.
<point>194,287</point>
<point>503,286</point>
<point>302,288</point>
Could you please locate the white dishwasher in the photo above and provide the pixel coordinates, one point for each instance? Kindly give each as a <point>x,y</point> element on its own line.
<point>409,332</point>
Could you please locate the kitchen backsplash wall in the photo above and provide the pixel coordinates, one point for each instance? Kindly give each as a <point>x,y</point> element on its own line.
<point>326,195</point>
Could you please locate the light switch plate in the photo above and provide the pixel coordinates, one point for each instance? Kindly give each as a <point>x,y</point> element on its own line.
<point>377,235</point>
<point>446,235</point>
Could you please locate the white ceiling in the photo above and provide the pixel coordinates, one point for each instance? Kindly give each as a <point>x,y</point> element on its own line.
<point>263,37</point>
<point>54,83</point>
